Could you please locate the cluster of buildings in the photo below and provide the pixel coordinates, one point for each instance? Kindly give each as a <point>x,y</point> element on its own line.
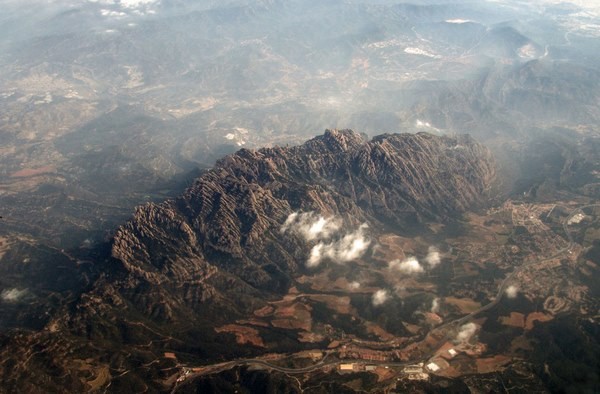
<point>357,367</point>
<point>365,354</point>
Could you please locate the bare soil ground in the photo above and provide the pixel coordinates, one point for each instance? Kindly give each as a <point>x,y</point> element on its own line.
<point>466,305</point>
<point>243,334</point>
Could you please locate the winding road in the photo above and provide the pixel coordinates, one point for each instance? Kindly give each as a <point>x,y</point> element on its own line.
<point>459,321</point>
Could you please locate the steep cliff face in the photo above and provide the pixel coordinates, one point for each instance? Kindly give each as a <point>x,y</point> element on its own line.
<point>225,227</point>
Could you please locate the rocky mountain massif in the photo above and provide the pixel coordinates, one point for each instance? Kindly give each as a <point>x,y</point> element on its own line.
<point>216,253</point>
<point>228,222</point>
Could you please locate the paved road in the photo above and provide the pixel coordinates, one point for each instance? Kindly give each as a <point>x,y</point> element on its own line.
<point>506,281</point>
<point>458,321</point>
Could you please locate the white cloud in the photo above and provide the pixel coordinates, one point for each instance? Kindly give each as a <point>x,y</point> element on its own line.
<point>13,295</point>
<point>316,255</point>
<point>137,3</point>
<point>466,332</point>
<point>409,266</point>
<point>314,227</point>
<point>512,291</point>
<point>114,14</point>
<point>311,226</point>
<point>350,247</point>
<point>433,258</point>
<point>354,285</point>
<point>380,297</point>
<point>435,305</point>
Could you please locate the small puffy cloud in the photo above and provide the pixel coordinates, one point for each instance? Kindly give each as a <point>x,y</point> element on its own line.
<point>13,295</point>
<point>512,291</point>
<point>315,227</point>
<point>310,225</point>
<point>316,255</point>
<point>380,297</point>
<point>466,332</point>
<point>350,247</point>
<point>113,14</point>
<point>433,257</point>
<point>409,266</point>
<point>354,285</point>
<point>435,305</point>
<point>137,3</point>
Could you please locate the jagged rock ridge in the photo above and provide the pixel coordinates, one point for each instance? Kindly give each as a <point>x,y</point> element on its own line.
<point>224,228</point>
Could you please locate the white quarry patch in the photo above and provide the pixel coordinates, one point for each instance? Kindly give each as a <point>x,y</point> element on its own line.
<point>238,135</point>
<point>576,219</point>
<point>384,44</point>
<point>420,52</point>
<point>458,21</point>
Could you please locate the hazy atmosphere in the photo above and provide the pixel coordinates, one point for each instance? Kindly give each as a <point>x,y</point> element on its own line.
<point>299,196</point>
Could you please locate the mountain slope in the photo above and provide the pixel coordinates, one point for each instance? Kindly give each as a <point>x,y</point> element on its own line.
<point>229,220</point>
<point>216,254</point>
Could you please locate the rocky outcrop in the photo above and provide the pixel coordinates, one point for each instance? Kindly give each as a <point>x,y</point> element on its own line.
<point>227,223</point>
<point>216,253</point>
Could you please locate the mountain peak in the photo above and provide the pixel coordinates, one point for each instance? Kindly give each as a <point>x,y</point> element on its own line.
<point>229,219</point>
<point>343,140</point>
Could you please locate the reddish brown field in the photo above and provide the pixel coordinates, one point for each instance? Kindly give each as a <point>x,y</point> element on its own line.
<point>310,337</point>
<point>515,320</point>
<point>294,317</point>
<point>536,316</point>
<point>394,247</point>
<point>253,322</point>
<point>384,373</point>
<point>333,344</point>
<point>465,305</point>
<point>433,318</point>
<point>27,172</point>
<point>443,351</point>
<point>321,281</point>
<point>265,311</point>
<point>520,343</point>
<point>243,335</point>
<point>492,364</point>
<point>335,303</point>
<point>375,329</point>
<point>450,372</point>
